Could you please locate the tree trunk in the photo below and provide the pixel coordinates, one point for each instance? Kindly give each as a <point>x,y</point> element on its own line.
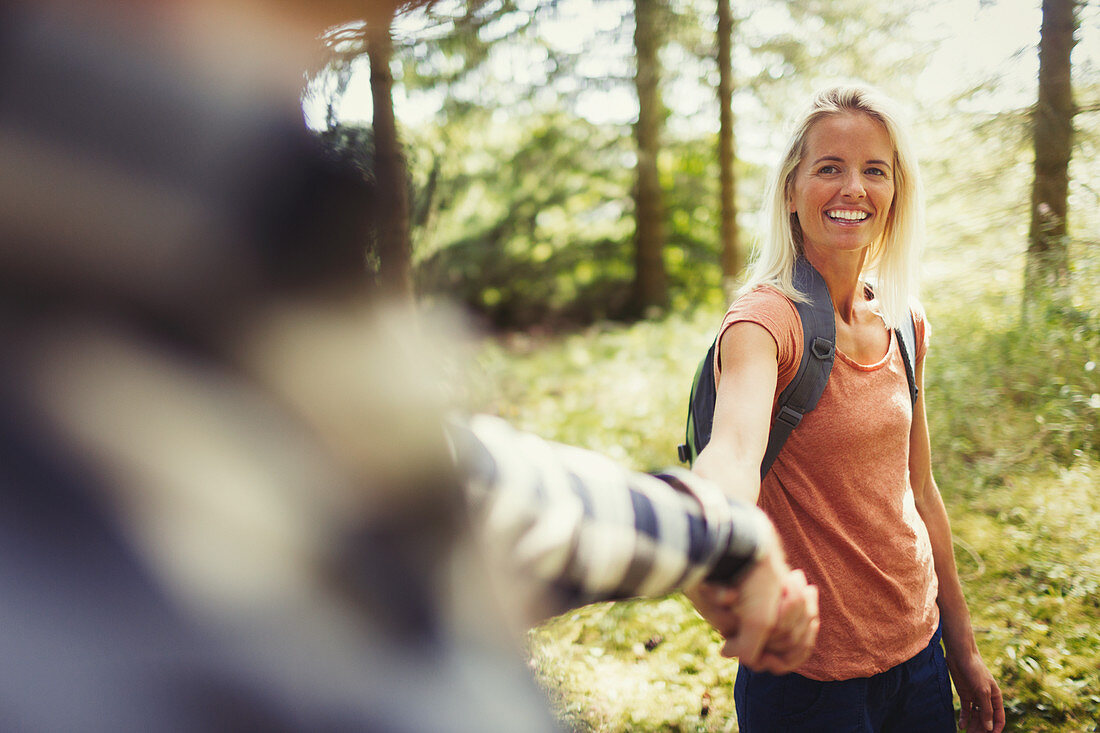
<point>650,283</point>
<point>1047,269</point>
<point>731,254</point>
<point>394,245</point>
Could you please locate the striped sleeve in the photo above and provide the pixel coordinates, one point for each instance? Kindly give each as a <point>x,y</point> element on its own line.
<point>589,529</point>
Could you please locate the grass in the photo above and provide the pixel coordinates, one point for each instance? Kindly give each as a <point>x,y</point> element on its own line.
<point>1014,419</point>
<point>1032,574</point>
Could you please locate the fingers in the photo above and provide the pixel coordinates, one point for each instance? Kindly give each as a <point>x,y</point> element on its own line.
<point>770,622</point>
<point>998,710</point>
<point>966,702</point>
<point>757,609</point>
<point>980,701</point>
<point>986,710</point>
<point>804,641</point>
<point>991,709</point>
<point>716,604</point>
<point>792,610</point>
<point>748,643</point>
<point>983,713</point>
<point>966,706</point>
<point>718,595</point>
<point>790,640</point>
<point>974,712</point>
<point>791,659</point>
<point>796,609</point>
<point>793,638</point>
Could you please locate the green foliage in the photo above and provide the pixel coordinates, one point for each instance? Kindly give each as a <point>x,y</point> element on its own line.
<point>533,227</point>
<point>612,388</point>
<point>532,221</point>
<point>988,364</point>
<point>691,234</point>
<point>636,666</point>
<point>1032,572</point>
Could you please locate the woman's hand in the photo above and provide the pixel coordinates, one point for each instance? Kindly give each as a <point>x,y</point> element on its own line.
<point>792,640</point>
<point>769,621</point>
<point>982,708</point>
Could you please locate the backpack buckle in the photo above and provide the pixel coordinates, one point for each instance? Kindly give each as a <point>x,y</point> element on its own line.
<point>822,348</point>
<point>789,416</point>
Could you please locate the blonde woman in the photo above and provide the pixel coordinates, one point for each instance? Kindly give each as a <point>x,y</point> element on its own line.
<point>852,493</point>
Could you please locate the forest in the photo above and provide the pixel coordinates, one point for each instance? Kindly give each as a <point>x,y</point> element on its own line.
<point>585,180</point>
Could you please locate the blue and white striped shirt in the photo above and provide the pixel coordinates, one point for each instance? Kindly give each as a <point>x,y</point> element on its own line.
<point>590,530</point>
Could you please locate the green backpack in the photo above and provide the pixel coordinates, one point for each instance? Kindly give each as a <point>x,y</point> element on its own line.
<point>802,394</point>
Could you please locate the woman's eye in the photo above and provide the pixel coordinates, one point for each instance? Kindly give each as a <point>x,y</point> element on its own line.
<point>828,169</point>
<point>876,172</point>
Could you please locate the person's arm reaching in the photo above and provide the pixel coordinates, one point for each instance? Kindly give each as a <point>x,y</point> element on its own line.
<point>742,411</point>
<point>584,529</point>
<point>772,624</point>
<point>591,530</point>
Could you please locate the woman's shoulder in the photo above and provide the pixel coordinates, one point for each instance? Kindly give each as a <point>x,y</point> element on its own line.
<point>765,306</point>
<point>764,299</point>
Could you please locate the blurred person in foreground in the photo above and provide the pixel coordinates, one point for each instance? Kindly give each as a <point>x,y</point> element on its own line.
<point>852,492</point>
<point>231,499</point>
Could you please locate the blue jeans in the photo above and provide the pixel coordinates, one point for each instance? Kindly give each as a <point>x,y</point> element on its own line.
<point>913,697</point>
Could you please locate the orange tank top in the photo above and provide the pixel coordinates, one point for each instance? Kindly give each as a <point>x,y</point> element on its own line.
<point>840,498</point>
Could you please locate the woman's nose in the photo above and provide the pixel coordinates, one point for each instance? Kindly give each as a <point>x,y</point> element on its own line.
<point>853,186</point>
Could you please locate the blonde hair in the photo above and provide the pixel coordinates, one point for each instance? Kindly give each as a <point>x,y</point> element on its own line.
<point>892,260</point>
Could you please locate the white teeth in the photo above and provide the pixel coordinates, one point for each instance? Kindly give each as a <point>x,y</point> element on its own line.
<point>848,215</point>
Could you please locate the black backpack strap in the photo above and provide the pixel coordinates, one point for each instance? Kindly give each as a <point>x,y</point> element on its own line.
<point>700,409</point>
<point>819,348</point>
<point>907,342</point>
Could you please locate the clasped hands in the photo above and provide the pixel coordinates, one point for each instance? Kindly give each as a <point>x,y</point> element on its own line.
<point>769,620</point>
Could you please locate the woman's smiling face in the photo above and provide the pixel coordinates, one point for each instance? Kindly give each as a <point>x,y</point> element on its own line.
<point>843,188</point>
